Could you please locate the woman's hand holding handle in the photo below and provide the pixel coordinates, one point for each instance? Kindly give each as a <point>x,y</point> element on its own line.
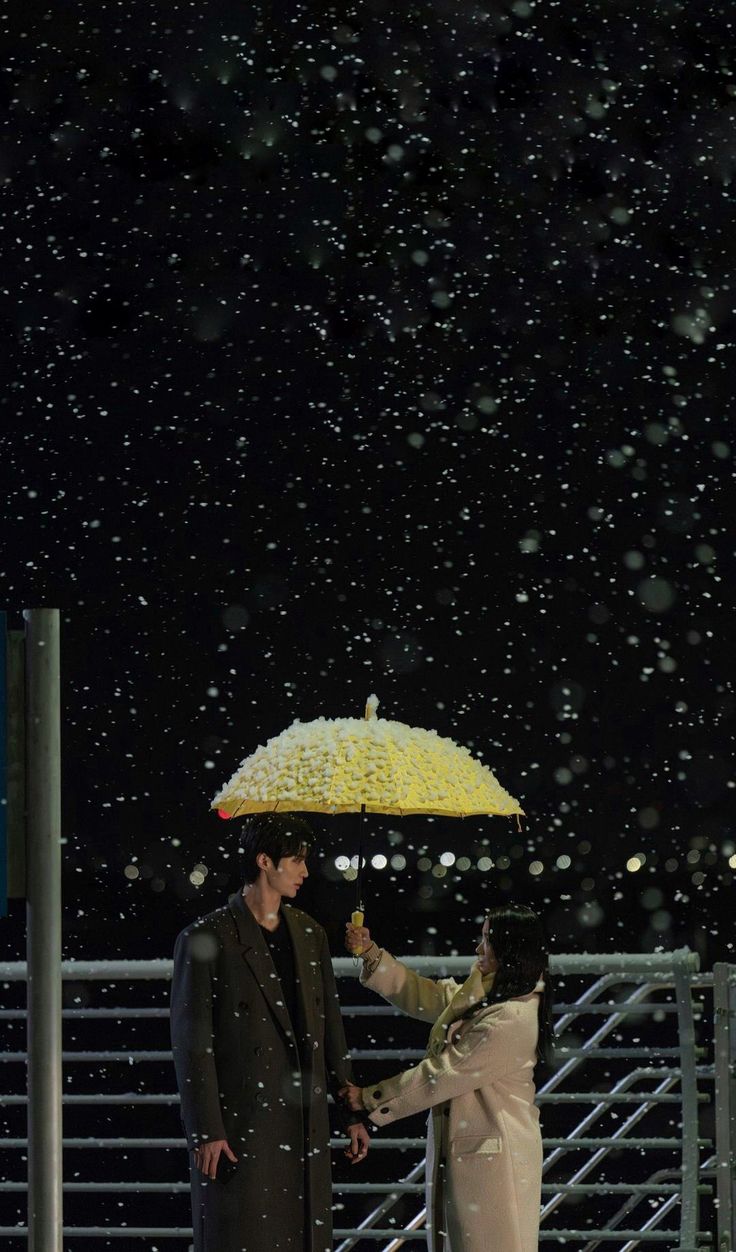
<point>357,939</point>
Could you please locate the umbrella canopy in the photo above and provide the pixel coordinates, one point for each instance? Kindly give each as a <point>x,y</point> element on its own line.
<point>349,764</point>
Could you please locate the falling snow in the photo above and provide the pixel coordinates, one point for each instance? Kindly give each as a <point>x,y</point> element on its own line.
<point>380,350</point>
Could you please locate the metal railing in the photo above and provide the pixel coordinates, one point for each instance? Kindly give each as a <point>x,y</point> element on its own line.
<point>626,1048</point>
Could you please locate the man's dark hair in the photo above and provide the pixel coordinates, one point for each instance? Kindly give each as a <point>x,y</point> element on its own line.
<point>276,834</point>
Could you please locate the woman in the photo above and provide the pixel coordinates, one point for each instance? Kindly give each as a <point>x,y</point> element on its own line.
<point>484,1150</point>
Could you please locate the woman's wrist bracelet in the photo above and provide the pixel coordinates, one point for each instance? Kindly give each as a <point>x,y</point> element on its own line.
<point>371,956</point>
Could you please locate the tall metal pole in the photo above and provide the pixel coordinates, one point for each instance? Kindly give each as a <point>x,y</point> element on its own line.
<point>724,996</point>
<point>43,894</point>
<point>689,1198</point>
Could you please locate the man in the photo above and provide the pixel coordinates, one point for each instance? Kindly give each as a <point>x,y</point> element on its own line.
<point>258,1041</point>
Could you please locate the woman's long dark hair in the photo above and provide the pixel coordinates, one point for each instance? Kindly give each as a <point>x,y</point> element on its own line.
<point>520,947</point>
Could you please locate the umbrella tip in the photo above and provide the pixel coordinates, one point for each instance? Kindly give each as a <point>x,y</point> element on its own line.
<point>371,705</point>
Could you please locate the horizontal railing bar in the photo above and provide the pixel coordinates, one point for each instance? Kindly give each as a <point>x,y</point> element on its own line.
<point>379,1188</point>
<point>91,1097</point>
<point>180,1187</point>
<point>627,964</point>
<point>558,1097</point>
<point>613,1097</point>
<point>350,1010</point>
<point>17,1015</point>
<point>614,1006</point>
<point>356,1010</point>
<point>606,1009</point>
<point>400,1055</point>
<point>125,1058</point>
<point>612,1054</point>
<point>357,1054</point>
<point>620,1188</point>
<point>580,1010</point>
<point>560,1052</point>
<point>560,1236</point>
<point>377,1054</point>
<point>163,1057</point>
<point>92,1143</point>
<point>109,1187</point>
<point>613,1236</point>
<point>181,1232</point>
<point>158,970</point>
<point>108,1232</point>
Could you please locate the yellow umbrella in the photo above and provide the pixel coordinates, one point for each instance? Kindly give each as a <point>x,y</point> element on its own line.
<point>349,765</point>
<point>369,765</point>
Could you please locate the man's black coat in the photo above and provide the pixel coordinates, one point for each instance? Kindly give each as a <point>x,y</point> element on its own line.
<point>241,1077</point>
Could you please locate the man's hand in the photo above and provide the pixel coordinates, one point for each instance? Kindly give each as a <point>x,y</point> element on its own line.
<point>357,937</point>
<point>207,1155</point>
<point>357,1149</point>
<point>353,1097</point>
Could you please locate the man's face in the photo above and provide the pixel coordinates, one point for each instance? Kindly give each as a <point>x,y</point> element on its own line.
<point>288,875</point>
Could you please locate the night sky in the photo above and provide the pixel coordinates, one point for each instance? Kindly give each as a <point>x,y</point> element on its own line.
<point>379,349</point>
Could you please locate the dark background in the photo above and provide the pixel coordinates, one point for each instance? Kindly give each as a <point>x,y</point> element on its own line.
<point>352,350</point>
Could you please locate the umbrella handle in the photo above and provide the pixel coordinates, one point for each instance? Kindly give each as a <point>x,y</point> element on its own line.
<point>357,918</point>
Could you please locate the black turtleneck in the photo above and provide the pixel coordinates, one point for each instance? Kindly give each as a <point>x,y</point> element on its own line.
<point>282,955</point>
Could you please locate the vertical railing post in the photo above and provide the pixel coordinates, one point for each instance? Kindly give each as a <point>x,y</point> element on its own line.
<point>689,1088</point>
<point>4,705</point>
<point>16,764</point>
<point>724,1012</point>
<point>43,894</point>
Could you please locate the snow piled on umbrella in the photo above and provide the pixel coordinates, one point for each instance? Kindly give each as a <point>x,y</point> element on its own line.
<point>339,765</point>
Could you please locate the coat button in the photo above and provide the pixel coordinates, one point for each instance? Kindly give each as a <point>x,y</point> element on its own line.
<point>385,1110</point>
<point>376,1095</point>
<point>446,1112</point>
<point>318,1091</point>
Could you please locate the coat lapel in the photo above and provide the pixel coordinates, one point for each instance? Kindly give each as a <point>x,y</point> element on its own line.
<point>258,958</point>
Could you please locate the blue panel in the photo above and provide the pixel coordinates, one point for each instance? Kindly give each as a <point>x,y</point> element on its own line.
<point>3,765</point>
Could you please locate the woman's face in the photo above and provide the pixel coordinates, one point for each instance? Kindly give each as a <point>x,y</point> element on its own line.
<point>487,962</point>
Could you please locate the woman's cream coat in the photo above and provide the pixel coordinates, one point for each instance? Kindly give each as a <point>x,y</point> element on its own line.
<point>483,1123</point>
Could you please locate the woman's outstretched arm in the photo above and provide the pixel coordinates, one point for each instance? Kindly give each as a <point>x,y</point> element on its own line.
<point>416,996</point>
<point>479,1056</point>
